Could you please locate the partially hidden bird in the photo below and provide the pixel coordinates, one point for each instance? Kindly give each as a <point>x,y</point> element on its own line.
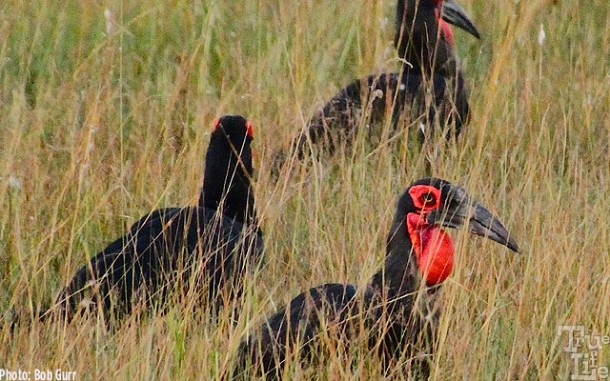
<point>204,250</point>
<point>397,313</point>
<point>428,90</point>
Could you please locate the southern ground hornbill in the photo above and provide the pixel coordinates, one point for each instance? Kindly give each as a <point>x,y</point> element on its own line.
<point>429,89</point>
<point>204,249</point>
<point>397,313</point>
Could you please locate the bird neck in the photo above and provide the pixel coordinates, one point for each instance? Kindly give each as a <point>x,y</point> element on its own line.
<point>226,184</point>
<point>399,275</point>
<point>418,254</point>
<point>423,38</point>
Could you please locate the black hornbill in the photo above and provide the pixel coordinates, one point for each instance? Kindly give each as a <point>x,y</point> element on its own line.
<point>430,84</point>
<point>398,309</point>
<point>205,248</point>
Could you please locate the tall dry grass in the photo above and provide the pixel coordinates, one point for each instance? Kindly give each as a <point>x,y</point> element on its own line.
<point>105,117</point>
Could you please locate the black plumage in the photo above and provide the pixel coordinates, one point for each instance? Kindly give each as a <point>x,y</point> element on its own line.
<point>398,310</point>
<point>429,88</point>
<point>206,249</point>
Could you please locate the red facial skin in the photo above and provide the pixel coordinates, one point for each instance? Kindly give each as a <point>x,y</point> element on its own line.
<point>433,248</point>
<point>250,129</point>
<point>444,27</point>
<point>446,31</point>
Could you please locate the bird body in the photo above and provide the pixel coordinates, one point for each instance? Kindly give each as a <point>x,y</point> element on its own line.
<point>206,248</point>
<point>429,86</point>
<point>381,96</point>
<point>399,308</point>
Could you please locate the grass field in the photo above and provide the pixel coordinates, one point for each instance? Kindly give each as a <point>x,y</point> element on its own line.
<point>105,115</point>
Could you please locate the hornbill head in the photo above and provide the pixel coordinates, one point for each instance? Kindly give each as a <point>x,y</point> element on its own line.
<point>430,204</point>
<point>232,135</point>
<point>229,170</point>
<point>423,32</point>
<point>455,15</point>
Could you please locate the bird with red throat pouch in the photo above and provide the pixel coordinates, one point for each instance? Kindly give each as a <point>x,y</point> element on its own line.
<point>397,313</point>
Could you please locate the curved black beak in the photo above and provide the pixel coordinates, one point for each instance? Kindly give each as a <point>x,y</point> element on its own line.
<point>460,210</point>
<point>486,225</point>
<point>455,15</point>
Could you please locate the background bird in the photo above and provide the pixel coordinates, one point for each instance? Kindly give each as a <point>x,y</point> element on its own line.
<point>399,307</point>
<point>429,87</point>
<point>206,248</point>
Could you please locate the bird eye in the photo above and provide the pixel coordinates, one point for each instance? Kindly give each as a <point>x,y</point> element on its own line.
<point>425,197</point>
<point>428,199</point>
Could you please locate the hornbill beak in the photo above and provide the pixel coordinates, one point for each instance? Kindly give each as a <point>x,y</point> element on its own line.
<point>455,15</point>
<point>460,210</point>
